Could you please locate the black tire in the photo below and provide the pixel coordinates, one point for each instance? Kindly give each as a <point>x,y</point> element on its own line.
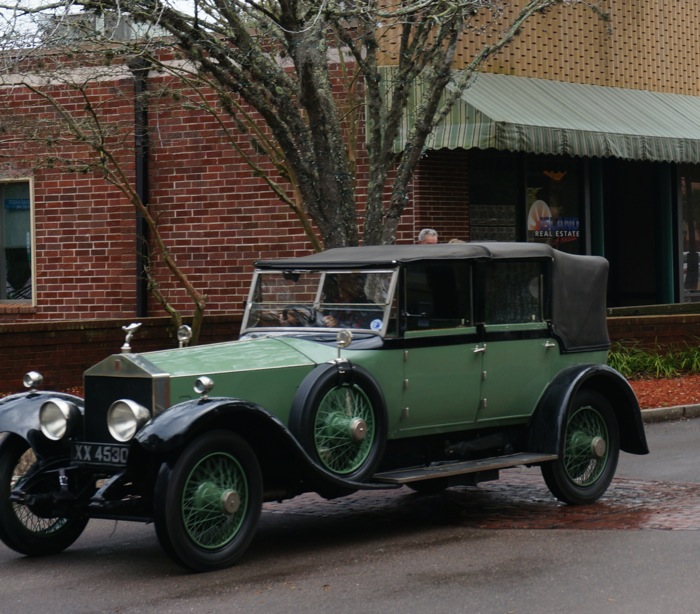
<point>339,417</point>
<point>590,453</point>
<point>20,528</point>
<point>207,505</point>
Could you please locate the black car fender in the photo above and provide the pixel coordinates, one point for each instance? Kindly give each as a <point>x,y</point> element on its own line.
<point>168,433</point>
<point>19,414</point>
<point>547,425</point>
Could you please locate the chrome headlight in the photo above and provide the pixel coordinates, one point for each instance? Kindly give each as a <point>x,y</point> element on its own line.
<point>125,418</point>
<point>57,418</point>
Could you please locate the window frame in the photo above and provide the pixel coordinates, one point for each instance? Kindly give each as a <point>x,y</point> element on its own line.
<point>4,301</point>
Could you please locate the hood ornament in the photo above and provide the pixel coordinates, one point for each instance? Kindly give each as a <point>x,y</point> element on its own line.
<point>129,329</point>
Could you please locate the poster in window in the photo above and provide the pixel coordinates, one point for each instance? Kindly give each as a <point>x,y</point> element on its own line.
<point>552,214</point>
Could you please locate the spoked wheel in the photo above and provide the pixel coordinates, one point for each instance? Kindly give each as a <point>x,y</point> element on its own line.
<point>21,528</point>
<point>208,505</point>
<point>342,425</point>
<point>591,451</point>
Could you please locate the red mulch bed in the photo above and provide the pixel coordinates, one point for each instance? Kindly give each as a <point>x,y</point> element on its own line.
<point>654,393</point>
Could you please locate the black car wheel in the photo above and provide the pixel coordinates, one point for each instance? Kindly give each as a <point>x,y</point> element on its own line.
<point>21,528</point>
<point>207,507</point>
<point>340,420</point>
<point>591,451</point>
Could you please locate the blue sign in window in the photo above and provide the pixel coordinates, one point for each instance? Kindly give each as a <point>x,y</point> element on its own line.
<point>16,203</point>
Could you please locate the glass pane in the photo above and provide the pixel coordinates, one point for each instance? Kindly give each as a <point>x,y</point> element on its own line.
<point>16,239</point>
<point>690,198</point>
<point>513,292</point>
<point>554,213</point>
<point>354,300</point>
<point>438,295</point>
<point>339,299</point>
<point>494,179</point>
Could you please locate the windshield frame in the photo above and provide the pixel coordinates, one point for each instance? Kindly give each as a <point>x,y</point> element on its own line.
<point>249,323</point>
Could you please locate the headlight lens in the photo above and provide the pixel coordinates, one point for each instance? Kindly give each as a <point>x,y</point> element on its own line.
<point>57,417</point>
<point>125,418</point>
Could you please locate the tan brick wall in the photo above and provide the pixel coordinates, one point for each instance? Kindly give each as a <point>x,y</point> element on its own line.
<point>639,44</point>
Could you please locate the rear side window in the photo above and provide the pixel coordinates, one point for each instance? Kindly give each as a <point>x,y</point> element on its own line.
<point>512,292</point>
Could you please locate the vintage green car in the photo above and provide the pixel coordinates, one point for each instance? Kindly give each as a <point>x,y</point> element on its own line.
<point>424,366</point>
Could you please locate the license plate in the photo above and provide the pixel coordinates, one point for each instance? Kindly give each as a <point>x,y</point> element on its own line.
<point>111,454</point>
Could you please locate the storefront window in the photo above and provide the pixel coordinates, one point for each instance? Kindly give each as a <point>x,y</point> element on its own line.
<point>15,242</point>
<point>494,190</point>
<point>690,202</point>
<point>553,200</point>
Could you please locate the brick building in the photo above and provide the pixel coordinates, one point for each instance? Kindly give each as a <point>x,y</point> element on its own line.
<point>584,132</point>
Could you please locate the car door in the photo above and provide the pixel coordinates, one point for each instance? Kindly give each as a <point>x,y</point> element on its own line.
<point>518,350</point>
<point>442,360</point>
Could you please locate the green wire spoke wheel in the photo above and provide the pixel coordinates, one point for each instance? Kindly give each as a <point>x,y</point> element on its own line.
<point>339,417</point>
<point>344,429</point>
<point>590,452</point>
<point>207,506</point>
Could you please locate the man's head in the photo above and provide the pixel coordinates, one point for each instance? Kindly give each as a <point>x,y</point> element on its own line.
<point>427,236</point>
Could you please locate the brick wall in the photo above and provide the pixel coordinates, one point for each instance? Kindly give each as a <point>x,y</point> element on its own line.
<point>656,331</point>
<point>61,351</point>
<point>440,188</point>
<point>217,218</point>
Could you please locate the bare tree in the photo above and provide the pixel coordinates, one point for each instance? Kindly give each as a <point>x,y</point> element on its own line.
<point>64,126</point>
<point>308,70</point>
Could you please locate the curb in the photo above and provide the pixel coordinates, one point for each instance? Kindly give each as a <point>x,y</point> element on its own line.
<point>677,412</point>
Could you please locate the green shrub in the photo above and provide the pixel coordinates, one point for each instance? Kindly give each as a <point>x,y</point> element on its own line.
<point>635,362</point>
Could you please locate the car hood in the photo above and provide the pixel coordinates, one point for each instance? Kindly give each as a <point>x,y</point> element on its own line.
<point>234,356</point>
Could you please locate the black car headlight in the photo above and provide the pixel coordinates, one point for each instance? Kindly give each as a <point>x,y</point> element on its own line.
<point>125,418</point>
<point>57,418</point>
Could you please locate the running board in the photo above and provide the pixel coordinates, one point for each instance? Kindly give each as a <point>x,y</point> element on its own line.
<point>445,470</point>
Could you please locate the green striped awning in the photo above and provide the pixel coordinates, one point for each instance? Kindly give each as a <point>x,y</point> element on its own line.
<point>552,117</point>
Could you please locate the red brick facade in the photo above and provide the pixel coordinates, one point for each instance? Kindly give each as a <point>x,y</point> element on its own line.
<point>216,217</point>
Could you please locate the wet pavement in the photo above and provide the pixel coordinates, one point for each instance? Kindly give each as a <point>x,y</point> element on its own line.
<point>519,500</point>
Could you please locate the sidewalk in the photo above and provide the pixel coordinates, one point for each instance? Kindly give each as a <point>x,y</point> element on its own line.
<point>677,412</point>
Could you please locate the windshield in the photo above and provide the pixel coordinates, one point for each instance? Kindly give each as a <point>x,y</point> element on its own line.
<point>320,300</point>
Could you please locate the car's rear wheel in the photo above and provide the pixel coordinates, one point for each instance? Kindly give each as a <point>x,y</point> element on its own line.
<point>207,506</point>
<point>591,451</point>
<point>340,420</point>
<point>20,527</point>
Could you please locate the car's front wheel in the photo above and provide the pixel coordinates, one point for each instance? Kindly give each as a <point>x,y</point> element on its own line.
<point>341,421</point>
<point>591,451</point>
<point>21,527</point>
<point>208,504</point>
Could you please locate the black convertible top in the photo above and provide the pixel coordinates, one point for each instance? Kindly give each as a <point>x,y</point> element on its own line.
<point>579,283</point>
<point>374,256</point>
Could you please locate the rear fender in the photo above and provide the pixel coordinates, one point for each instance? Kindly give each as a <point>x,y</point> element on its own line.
<point>547,425</point>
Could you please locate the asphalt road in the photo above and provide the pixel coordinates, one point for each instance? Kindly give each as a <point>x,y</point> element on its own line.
<point>504,547</point>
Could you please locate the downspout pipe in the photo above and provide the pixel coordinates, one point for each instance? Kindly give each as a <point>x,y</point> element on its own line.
<point>139,68</point>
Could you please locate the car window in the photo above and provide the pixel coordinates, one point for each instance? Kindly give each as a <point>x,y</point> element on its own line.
<point>438,295</point>
<point>513,292</point>
<point>320,299</point>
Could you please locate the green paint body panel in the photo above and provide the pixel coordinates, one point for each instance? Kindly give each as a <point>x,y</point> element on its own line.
<point>465,390</point>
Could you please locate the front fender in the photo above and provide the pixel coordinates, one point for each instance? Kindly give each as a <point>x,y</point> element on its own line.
<point>19,414</point>
<point>547,425</point>
<point>171,431</point>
